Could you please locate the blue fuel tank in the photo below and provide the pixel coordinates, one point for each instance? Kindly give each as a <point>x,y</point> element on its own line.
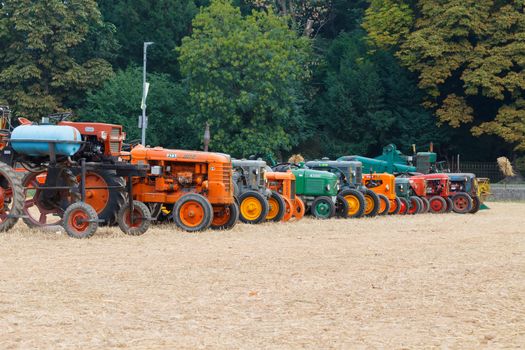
<point>32,140</point>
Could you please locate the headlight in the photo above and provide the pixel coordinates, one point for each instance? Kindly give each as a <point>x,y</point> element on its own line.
<point>104,135</point>
<point>328,187</point>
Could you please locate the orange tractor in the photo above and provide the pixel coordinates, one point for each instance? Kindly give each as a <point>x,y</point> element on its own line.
<point>385,187</point>
<point>284,185</point>
<point>194,188</point>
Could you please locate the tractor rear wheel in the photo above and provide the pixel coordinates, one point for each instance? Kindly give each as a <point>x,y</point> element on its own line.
<point>80,220</point>
<point>141,219</point>
<point>192,212</point>
<point>11,197</point>
<point>395,206</point>
<point>300,208</point>
<point>225,217</point>
<point>277,207</point>
<point>421,205</point>
<point>462,203</point>
<point>426,204</point>
<point>415,205</point>
<point>450,205</point>
<point>356,202</point>
<point>372,203</point>
<point>107,198</point>
<point>438,205</point>
<point>476,204</point>
<point>253,207</point>
<point>341,207</point>
<point>323,207</point>
<point>404,207</point>
<point>384,204</point>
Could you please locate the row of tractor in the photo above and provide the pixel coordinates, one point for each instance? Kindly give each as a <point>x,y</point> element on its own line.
<point>82,175</point>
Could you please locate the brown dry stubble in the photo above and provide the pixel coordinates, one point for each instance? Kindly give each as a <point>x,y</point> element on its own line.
<point>456,281</point>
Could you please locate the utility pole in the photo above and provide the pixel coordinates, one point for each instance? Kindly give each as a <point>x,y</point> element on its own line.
<point>143,122</point>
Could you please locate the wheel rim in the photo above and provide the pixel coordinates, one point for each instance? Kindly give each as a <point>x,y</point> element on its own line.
<point>353,204</point>
<point>138,217</point>
<point>299,208</point>
<point>251,208</point>
<point>461,203</point>
<point>191,214</point>
<point>393,206</point>
<point>382,205</point>
<point>98,198</point>
<point>403,208</point>
<point>436,205</point>
<point>413,206</point>
<point>35,211</point>
<point>322,209</point>
<point>369,204</point>
<point>221,216</point>
<point>78,220</point>
<point>273,208</point>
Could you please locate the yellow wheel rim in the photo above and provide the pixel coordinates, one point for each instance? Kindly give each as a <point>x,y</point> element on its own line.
<point>353,204</point>
<point>273,210</point>
<point>369,204</point>
<point>251,208</point>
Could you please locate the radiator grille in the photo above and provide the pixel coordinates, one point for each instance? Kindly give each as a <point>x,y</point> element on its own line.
<point>227,176</point>
<point>114,145</point>
<point>292,190</point>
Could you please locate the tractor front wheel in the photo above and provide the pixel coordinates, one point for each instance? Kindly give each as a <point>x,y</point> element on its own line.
<point>372,203</point>
<point>356,202</point>
<point>80,220</point>
<point>323,207</point>
<point>11,197</point>
<point>288,209</point>
<point>395,206</point>
<point>438,205</point>
<point>426,204</point>
<point>225,217</point>
<point>450,205</point>
<point>141,219</point>
<point>404,207</point>
<point>415,205</point>
<point>476,204</point>
<point>193,212</point>
<point>253,206</point>
<point>462,203</point>
<point>300,209</point>
<point>341,207</point>
<point>277,207</point>
<point>384,204</point>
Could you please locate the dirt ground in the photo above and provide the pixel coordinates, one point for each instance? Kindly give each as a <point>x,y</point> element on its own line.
<point>448,281</point>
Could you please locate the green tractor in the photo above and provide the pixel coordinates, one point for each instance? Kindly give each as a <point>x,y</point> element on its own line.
<point>361,200</point>
<point>250,190</point>
<point>318,190</point>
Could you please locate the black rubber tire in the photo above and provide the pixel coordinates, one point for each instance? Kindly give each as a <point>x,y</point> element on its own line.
<point>261,199</point>
<point>87,210</point>
<point>466,198</point>
<point>450,205</point>
<point>384,199</point>
<point>421,206</point>
<point>443,203</point>
<point>140,211</point>
<point>281,209</point>
<point>324,200</point>
<point>476,204</point>
<point>360,198</point>
<point>375,200</point>
<point>232,221</point>
<point>407,206</point>
<point>10,179</point>
<point>426,205</point>
<point>398,207</point>
<point>341,207</point>
<point>414,202</point>
<point>205,205</point>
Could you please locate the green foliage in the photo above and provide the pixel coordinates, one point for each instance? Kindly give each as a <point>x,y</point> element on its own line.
<point>118,102</point>
<point>39,69</point>
<point>164,22</point>
<point>388,22</point>
<point>245,77</point>
<point>465,52</point>
<point>367,102</point>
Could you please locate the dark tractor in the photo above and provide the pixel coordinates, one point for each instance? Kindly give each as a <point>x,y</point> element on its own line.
<point>251,192</point>
<point>464,191</point>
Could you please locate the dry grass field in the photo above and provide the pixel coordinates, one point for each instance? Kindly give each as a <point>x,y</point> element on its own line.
<point>446,281</point>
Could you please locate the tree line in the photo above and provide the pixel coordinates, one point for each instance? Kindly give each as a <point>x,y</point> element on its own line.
<point>319,77</point>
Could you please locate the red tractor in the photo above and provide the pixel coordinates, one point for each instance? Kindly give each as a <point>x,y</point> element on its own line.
<point>435,188</point>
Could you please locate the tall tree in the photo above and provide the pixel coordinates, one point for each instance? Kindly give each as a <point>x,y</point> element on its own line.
<point>39,70</point>
<point>245,77</point>
<point>470,57</point>
<point>164,22</point>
